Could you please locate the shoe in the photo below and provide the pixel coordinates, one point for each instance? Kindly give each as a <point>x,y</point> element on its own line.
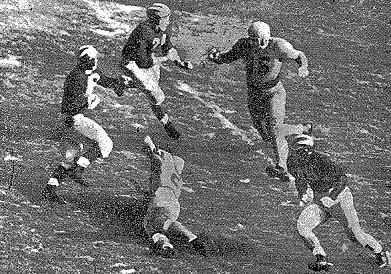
<point>49,193</point>
<point>321,264</point>
<point>76,174</point>
<point>199,246</point>
<point>309,129</point>
<point>171,131</point>
<point>383,259</point>
<point>162,249</point>
<point>280,173</point>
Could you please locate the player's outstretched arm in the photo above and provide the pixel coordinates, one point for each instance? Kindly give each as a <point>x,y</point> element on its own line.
<point>297,55</point>
<point>237,51</point>
<point>173,56</point>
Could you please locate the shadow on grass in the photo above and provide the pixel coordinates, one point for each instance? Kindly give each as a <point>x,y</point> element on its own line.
<point>121,217</point>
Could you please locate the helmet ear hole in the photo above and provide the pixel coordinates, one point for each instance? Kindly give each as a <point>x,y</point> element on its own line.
<point>157,11</point>
<point>302,142</point>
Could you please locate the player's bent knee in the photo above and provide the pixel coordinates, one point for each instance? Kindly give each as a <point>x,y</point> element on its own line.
<point>106,146</point>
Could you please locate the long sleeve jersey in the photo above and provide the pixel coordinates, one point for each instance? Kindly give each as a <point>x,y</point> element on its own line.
<point>144,40</point>
<point>166,171</point>
<point>78,86</point>
<point>319,173</point>
<point>262,65</point>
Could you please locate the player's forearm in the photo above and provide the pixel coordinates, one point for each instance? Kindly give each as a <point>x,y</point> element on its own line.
<point>301,60</point>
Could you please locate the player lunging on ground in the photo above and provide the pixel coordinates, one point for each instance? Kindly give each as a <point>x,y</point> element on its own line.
<point>165,188</point>
<point>147,47</point>
<point>83,140</point>
<point>263,57</point>
<point>322,187</point>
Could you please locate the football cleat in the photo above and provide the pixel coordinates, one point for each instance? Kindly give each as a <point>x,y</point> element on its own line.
<point>280,173</point>
<point>199,246</point>
<point>163,249</point>
<point>49,193</point>
<point>383,259</point>
<point>321,264</point>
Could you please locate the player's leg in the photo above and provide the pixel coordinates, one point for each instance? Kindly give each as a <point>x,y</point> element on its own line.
<point>100,146</point>
<point>179,228</point>
<point>162,213</point>
<point>147,80</point>
<point>308,220</point>
<point>281,130</point>
<point>69,150</point>
<point>351,223</point>
<point>154,222</point>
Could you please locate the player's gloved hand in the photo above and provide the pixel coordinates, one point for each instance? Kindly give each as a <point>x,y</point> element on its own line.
<point>128,81</point>
<point>305,199</point>
<point>303,72</point>
<point>93,101</point>
<point>184,64</point>
<point>327,201</point>
<point>213,54</point>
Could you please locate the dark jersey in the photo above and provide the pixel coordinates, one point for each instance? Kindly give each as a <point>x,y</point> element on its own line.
<point>262,65</point>
<point>78,85</point>
<point>317,172</point>
<point>144,40</point>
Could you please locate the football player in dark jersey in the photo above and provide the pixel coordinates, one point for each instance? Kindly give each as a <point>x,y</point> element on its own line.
<point>263,57</point>
<point>323,189</point>
<point>148,46</point>
<point>83,140</point>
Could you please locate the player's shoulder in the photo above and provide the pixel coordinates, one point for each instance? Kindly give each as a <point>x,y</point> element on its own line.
<point>244,44</point>
<point>144,29</point>
<point>75,74</point>
<point>281,43</point>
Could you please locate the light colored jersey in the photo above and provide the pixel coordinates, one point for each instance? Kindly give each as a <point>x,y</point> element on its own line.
<point>166,171</point>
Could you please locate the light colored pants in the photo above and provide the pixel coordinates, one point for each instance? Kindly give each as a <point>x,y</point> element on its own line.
<point>267,111</point>
<point>162,215</point>
<point>314,214</point>
<point>95,132</point>
<point>146,80</point>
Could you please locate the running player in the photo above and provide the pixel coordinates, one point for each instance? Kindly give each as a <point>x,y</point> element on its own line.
<point>263,57</point>
<point>163,211</point>
<point>322,187</point>
<point>147,47</point>
<point>83,140</point>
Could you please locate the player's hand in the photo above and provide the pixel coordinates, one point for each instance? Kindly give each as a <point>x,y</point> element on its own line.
<point>305,200</point>
<point>148,142</point>
<point>127,80</point>
<point>303,72</point>
<point>159,60</point>
<point>184,64</point>
<point>173,55</point>
<point>327,201</point>
<point>93,101</point>
<point>213,53</point>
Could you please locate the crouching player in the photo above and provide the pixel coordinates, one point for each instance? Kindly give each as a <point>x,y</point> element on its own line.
<point>323,182</point>
<point>163,210</point>
<point>86,140</point>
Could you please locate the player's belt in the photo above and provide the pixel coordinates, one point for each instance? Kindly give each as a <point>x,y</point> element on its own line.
<point>267,85</point>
